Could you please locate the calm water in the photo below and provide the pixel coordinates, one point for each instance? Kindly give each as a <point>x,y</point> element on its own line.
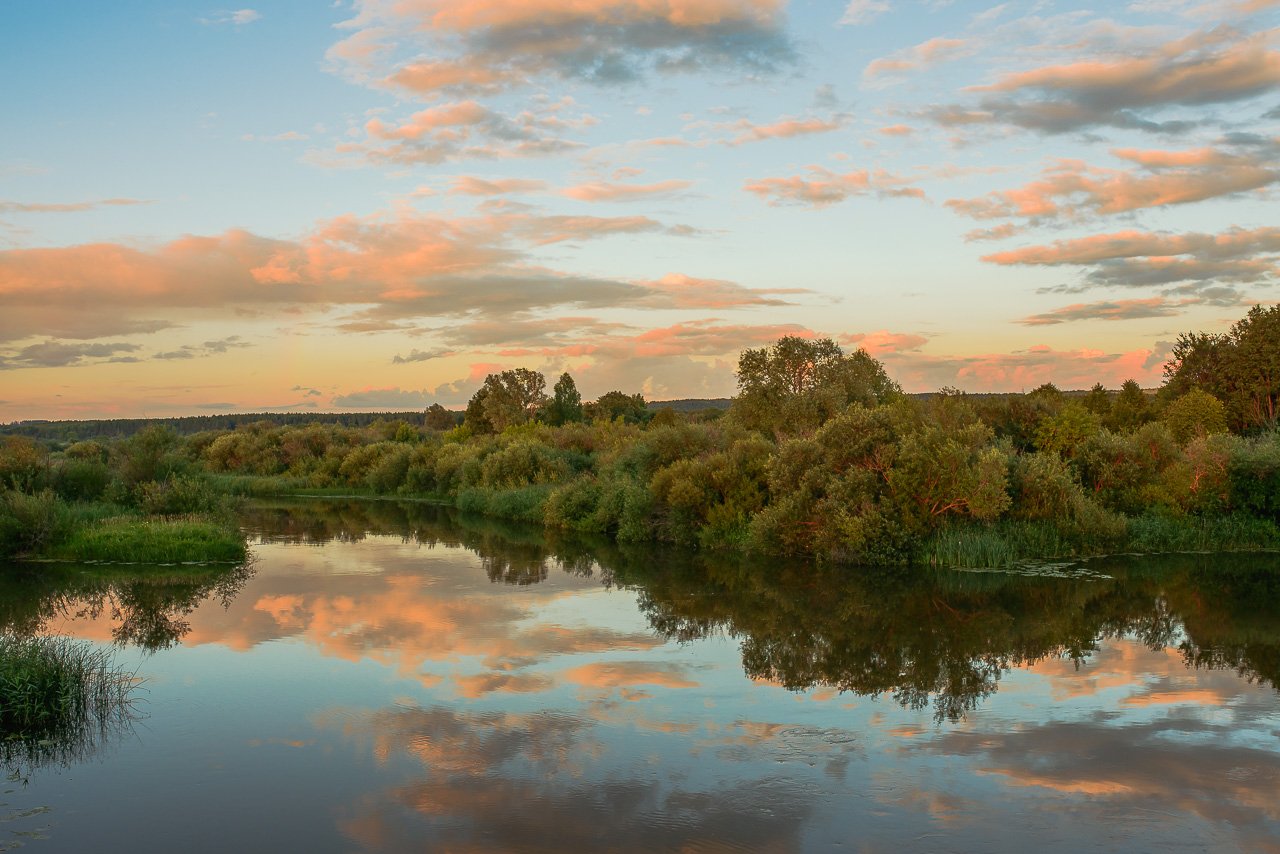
<point>396,678</point>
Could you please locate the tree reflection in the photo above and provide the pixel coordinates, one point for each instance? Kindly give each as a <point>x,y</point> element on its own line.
<point>924,637</point>
<point>148,607</point>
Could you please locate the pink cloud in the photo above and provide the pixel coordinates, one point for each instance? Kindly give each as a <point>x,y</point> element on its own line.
<point>823,187</point>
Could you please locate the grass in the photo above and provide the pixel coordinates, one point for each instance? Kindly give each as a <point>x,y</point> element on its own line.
<point>126,539</point>
<point>58,698</point>
<point>1008,542</point>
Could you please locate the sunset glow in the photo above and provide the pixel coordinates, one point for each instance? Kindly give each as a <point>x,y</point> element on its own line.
<point>372,205</point>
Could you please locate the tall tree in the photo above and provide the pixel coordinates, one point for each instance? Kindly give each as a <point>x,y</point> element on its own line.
<point>798,384</point>
<point>507,399</point>
<point>1241,368</point>
<point>565,406</point>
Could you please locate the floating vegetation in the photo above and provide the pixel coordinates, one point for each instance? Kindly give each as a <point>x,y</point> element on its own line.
<point>59,701</point>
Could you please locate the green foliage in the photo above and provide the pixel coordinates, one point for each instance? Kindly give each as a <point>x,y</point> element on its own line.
<point>565,406</point>
<point>798,384</point>
<point>178,496</point>
<point>81,478</point>
<point>616,405</point>
<point>1253,473</point>
<point>156,540</point>
<point>1197,413</point>
<point>30,521</point>
<point>507,398</point>
<point>23,464</point>
<point>1066,431</point>
<point>1098,400</point>
<point>1241,368</point>
<point>56,693</point>
<point>1129,410</point>
<point>439,419</point>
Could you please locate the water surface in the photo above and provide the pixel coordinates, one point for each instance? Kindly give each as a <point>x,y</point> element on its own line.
<point>391,677</point>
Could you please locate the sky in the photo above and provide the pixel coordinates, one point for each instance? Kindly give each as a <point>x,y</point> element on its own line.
<point>371,205</point>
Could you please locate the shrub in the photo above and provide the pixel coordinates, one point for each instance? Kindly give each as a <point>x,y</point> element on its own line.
<point>81,478</point>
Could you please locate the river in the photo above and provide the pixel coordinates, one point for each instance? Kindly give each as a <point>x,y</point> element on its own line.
<point>396,677</point>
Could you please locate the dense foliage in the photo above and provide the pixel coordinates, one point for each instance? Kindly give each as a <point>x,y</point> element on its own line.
<point>821,454</point>
<point>141,499</point>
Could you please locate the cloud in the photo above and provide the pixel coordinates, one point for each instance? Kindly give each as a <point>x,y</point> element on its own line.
<point>238,18</point>
<point>608,191</point>
<point>744,131</point>
<point>469,185</point>
<point>208,348</point>
<point>467,130</point>
<point>1125,309</point>
<point>58,354</point>
<point>823,187</point>
<point>884,341</point>
<point>1126,88</point>
<point>434,48</point>
<point>389,399</point>
<point>1073,190</point>
<point>1138,258</point>
<point>918,58</point>
<point>1022,370</point>
<point>860,12</point>
<point>416,355</point>
<point>66,207</point>
<point>395,266</point>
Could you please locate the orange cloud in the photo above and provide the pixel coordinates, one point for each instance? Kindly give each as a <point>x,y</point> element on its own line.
<point>1072,190</point>
<point>746,132</point>
<point>917,58</point>
<point>608,191</point>
<point>824,187</point>
<point>398,266</point>
<point>627,674</point>
<point>1213,66</point>
<point>487,46</point>
<point>1125,309</point>
<point>1136,258</point>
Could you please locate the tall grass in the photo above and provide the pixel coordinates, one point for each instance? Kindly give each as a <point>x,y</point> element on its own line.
<point>1007,542</point>
<point>128,539</point>
<point>58,699</point>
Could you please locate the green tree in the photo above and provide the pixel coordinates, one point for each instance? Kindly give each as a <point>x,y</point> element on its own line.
<point>1196,413</point>
<point>798,384</point>
<point>1129,410</point>
<point>1241,368</point>
<point>630,408</point>
<point>439,418</point>
<point>1098,401</point>
<point>506,399</point>
<point>565,406</point>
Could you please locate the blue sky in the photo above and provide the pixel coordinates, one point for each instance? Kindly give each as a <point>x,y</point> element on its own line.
<point>372,205</point>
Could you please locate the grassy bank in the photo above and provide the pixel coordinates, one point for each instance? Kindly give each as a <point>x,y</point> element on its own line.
<point>126,539</point>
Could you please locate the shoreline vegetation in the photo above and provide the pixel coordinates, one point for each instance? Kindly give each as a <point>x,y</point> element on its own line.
<point>820,455</point>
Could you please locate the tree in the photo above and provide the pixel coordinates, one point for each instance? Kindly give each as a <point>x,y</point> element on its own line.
<point>506,399</point>
<point>1097,400</point>
<point>615,404</point>
<point>798,384</point>
<point>1196,413</point>
<point>565,406</point>
<point>1241,368</point>
<point>1129,410</point>
<point>439,418</point>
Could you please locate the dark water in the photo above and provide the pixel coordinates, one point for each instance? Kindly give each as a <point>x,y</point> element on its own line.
<point>395,678</point>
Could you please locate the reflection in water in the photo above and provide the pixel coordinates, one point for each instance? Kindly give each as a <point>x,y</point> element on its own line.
<point>148,606</point>
<point>442,682</point>
<point>916,635</point>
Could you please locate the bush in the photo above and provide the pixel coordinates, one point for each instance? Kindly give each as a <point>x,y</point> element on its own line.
<point>179,495</point>
<point>27,521</point>
<point>81,479</point>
